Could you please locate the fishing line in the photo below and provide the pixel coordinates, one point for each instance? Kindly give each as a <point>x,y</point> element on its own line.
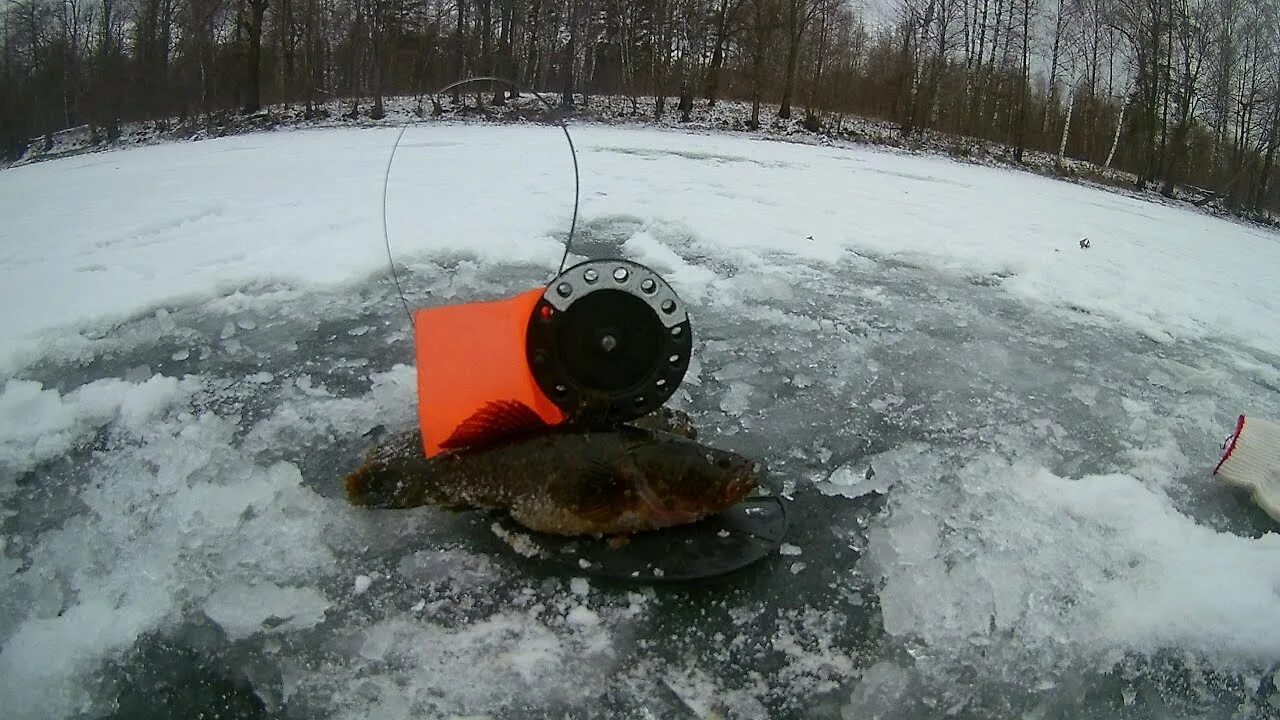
<point>386,238</point>
<point>573,153</point>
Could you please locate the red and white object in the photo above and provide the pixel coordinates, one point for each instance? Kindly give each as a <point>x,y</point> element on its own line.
<point>1252,461</point>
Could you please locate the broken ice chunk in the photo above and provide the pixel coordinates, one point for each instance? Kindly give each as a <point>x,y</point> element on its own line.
<point>912,462</point>
<point>737,399</point>
<point>583,617</point>
<point>361,585</point>
<point>243,610</point>
<point>887,402</point>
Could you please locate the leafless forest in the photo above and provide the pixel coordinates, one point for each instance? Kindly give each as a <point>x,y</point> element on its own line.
<point>1180,92</point>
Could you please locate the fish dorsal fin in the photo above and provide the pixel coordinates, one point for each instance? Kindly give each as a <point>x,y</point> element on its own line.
<point>498,421</point>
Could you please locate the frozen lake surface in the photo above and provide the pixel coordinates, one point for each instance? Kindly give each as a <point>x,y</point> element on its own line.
<point>202,341</point>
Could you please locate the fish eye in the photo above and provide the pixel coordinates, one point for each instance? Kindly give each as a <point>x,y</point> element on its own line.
<point>723,463</point>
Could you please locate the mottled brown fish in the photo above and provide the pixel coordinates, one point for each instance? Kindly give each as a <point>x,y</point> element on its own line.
<point>618,482</point>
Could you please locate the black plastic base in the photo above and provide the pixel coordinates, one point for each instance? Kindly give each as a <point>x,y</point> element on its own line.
<point>723,543</point>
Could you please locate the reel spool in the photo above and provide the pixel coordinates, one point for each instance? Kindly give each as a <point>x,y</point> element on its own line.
<point>609,341</point>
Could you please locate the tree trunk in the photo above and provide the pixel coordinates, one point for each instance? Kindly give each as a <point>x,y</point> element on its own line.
<point>532,63</point>
<point>789,83</point>
<point>760,38</point>
<point>570,57</point>
<point>1115,139</point>
<point>110,117</point>
<point>799,13</point>
<point>713,74</point>
<point>253,59</point>
<point>817,101</point>
<point>906,96</point>
<point>1066,127</point>
<point>377,27</point>
<point>982,46</point>
<point>459,59</point>
<point>1167,66</point>
<point>288,49</point>
<point>1050,96</point>
<point>977,98</point>
<point>938,64</point>
<point>1152,97</point>
<point>1021,145</point>
<point>1268,162</point>
<point>994,95</point>
<point>1177,149</point>
<point>313,49</point>
<point>717,52</point>
<point>355,76</point>
<point>486,38</point>
<point>502,66</point>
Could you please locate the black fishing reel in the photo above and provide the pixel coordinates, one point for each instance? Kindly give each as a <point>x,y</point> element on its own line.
<point>609,341</point>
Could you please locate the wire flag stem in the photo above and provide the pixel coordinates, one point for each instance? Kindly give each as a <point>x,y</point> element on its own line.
<point>573,153</point>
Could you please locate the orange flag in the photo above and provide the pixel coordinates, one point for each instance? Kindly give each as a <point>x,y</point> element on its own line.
<point>471,361</point>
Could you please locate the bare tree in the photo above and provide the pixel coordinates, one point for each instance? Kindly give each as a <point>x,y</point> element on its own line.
<point>254,11</point>
<point>797,15</point>
<point>763,24</point>
<point>1020,134</point>
<point>1061,8</point>
<point>723,28</point>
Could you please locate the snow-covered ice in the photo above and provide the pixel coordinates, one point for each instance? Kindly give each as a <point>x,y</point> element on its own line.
<point>305,206</point>
<point>998,443</point>
<point>242,610</point>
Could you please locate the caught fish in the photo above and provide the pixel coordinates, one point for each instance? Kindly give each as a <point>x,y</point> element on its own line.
<point>617,482</point>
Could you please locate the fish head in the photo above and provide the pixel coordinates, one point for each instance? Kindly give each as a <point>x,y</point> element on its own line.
<point>681,481</point>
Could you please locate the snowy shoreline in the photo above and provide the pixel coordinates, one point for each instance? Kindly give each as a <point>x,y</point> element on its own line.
<point>728,117</point>
<point>303,209</point>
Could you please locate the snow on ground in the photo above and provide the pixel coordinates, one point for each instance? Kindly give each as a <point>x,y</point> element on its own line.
<point>997,443</point>
<point>305,206</point>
